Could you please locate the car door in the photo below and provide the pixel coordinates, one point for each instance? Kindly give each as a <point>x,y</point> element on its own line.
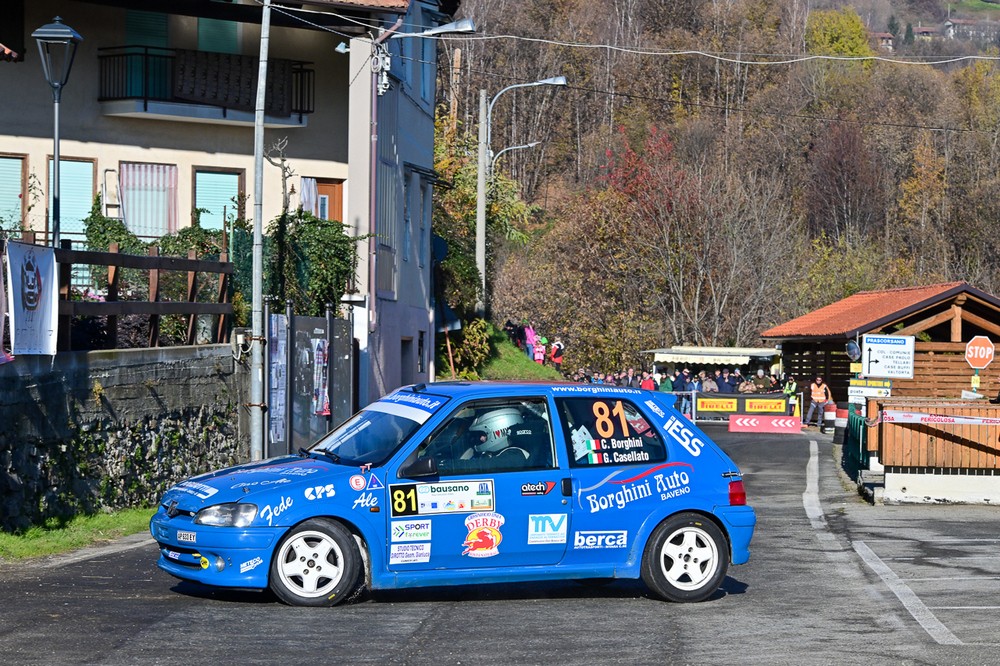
<point>496,499</point>
<point>619,472</point>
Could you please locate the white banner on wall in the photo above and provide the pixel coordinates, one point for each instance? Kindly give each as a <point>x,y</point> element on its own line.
<point>32,298</point>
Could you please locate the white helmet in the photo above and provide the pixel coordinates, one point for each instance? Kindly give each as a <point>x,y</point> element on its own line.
<point>495,426</point>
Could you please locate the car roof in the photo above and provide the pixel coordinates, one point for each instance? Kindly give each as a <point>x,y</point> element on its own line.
<point>485,387</point>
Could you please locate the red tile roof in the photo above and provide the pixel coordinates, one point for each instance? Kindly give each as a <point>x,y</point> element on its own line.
<point>868,310</point>
<point>9,54</point>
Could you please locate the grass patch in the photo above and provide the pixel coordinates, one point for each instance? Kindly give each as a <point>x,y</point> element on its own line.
<point>975,6</point>
<point>512,363</point>
<point>58,536</point>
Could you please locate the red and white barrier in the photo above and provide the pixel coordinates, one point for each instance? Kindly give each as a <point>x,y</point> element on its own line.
<point>769,424</point>
<point>899,416</point>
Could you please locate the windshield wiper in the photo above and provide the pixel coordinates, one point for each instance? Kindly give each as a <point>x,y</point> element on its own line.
<point>333,457</point>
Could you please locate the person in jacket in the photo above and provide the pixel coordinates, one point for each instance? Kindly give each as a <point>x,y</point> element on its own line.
<point>819,395</point>
<point>791,391</point>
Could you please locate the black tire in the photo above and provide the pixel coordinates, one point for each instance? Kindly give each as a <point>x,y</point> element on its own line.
<point>316,564</point>
<point>686,558</point>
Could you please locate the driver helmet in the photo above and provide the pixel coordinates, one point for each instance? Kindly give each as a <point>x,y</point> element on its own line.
<point>495,426</point>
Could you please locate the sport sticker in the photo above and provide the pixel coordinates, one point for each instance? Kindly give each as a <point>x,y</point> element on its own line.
<point>411,530</point>
<point>417,499</point>
<point>484,535</point>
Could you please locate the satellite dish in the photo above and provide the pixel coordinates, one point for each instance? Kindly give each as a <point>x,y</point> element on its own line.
<point>853,351</point>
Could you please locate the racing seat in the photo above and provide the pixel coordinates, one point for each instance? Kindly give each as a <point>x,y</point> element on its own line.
<point>533,437</point>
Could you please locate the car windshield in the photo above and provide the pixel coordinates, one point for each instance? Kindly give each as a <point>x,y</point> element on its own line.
<point>370,436</point>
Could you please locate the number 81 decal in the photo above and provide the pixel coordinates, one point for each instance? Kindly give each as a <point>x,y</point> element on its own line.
<point>605,423</point>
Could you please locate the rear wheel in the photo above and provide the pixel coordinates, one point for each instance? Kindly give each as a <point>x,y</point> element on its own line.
<point>686,558</point>
<point>317,564</point>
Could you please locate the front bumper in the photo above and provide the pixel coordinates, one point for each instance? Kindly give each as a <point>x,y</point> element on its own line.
<point>739,522</point>
<point>221,556</point>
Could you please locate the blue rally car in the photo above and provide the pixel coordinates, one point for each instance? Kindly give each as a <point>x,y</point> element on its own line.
<point>457,483</point>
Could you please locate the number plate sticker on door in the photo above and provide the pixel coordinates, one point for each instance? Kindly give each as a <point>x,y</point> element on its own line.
<point>419,499</point>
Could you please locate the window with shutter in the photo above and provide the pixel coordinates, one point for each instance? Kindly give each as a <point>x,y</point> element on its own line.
<point>149,198</point>
<point>11,190</point>
<point>214,192</point>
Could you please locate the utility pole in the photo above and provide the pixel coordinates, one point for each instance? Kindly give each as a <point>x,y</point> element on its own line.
<point>484,160</point>
<point>257,320</point>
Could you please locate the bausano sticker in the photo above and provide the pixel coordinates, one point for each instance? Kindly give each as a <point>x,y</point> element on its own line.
<point>484,535</point>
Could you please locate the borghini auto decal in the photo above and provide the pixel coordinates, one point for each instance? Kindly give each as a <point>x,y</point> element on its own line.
<point>640,486</point>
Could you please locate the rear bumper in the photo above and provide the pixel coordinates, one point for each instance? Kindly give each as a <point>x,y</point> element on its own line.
<point>739,522</point>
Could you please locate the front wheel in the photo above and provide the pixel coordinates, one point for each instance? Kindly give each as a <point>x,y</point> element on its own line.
<point>317,564</point>
<point>686,558</point>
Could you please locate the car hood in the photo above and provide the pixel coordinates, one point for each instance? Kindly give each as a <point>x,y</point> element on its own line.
<point>245,483</point>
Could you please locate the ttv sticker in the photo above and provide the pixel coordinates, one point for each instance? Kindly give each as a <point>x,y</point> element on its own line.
<point>357,482</point>
<point>547,528</point>
<point>484,535</point>
<point>409,553</point>
<point>411,530</point>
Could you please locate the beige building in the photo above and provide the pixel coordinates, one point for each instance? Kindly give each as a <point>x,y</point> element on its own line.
<point>157,116</point>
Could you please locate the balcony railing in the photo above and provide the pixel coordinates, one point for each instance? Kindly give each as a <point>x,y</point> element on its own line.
<point>225,80</point>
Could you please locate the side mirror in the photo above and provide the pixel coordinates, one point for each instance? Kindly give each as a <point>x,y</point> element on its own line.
<point>419,468</point>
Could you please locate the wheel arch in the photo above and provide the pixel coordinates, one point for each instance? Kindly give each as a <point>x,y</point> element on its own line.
<point>360,537</point>
<point>653,522</point>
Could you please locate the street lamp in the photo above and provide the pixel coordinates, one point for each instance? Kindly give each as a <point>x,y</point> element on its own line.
<point>493,164</point>
<point>57,44</point>
<point>485,154</point>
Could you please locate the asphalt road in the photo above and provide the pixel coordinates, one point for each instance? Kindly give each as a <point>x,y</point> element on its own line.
<point>831,579</point>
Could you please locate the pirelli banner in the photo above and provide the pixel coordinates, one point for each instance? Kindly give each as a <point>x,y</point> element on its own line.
<point>714,405</point>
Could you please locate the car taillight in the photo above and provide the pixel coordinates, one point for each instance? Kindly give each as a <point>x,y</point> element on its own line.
<point>737,494</point>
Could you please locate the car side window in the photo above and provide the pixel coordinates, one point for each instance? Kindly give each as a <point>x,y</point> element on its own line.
<point>488,436</point>
<point>608,431</point>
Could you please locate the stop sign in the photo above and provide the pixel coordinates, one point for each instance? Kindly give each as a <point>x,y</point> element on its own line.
<point>979,352</point>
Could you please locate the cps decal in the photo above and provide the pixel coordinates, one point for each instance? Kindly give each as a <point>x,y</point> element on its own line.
<point>320,492</point>
<point>484,535</point>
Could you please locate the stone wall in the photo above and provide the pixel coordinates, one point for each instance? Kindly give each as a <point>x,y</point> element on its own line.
<point>86,431</point>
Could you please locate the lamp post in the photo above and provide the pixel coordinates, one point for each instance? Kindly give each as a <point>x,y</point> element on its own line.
<point>57,44</point>
<point>493,164</point>
<point>485,118</point>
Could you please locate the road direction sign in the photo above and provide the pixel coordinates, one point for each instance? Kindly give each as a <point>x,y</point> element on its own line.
<point>868,392</point>
<point>889,356</point>
<point>979,352</point>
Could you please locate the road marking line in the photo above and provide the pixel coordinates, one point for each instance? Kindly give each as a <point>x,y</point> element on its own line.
<point>946,578</point>
<point>964,607</point>
<point>911,602</point>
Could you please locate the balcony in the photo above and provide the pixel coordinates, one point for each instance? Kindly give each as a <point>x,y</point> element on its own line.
<point>202,86</point>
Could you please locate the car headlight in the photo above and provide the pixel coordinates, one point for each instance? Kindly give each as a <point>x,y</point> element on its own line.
<point>234,514</point>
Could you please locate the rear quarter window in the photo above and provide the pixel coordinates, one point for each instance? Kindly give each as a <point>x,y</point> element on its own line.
<point>608,431</point>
